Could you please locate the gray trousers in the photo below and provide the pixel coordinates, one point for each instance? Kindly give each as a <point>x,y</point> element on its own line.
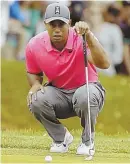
<point>57,104</point>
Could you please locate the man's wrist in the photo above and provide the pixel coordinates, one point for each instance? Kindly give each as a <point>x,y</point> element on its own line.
<point>88,33</point>
<point>37,82</point>
<point>90,36</point>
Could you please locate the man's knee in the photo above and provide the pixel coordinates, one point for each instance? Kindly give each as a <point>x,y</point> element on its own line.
<point>80,98</point>
<point>93,98</point>
<point>41,103</point>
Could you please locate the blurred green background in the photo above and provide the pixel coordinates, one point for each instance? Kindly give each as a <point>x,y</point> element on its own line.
<point>114,118</point>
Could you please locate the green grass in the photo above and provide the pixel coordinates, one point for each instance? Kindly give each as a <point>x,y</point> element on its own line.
<point>114,117</point>
<point>29,146</point>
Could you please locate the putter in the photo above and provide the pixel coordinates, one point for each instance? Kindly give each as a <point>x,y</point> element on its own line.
<point>91,152</point>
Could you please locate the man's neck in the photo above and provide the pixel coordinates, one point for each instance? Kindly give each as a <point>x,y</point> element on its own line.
<point>59,46</point>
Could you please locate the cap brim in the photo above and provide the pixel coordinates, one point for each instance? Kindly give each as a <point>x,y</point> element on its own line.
<point>56,18</point>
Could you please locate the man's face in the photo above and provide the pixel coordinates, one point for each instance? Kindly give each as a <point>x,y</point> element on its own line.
<point>58,31</point>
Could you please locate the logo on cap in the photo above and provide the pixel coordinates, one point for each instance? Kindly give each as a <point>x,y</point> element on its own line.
<point>57,10</point>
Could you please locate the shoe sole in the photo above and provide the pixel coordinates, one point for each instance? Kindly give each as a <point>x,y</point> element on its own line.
<point>86,153</point>
<point>93,151</point>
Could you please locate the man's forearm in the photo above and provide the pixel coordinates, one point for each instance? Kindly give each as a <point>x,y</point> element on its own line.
<point>34,79</point>
<point>127,57</point>
<point>98,54</point>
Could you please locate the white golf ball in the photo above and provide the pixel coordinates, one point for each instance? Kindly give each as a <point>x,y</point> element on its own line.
<point>48,158</point>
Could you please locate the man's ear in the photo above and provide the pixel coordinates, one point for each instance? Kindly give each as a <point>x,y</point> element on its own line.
<point>70,22</point>
<point>44,23</point>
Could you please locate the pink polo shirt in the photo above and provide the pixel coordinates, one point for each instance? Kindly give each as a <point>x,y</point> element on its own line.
<point>64,69</point>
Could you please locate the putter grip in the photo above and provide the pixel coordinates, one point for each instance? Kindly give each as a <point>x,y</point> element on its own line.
<point>85,50</point>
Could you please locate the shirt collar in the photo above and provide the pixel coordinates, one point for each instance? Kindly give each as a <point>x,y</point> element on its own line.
<point>69,44</point>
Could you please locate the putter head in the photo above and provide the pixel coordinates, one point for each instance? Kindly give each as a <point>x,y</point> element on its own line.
<point>91,154</point>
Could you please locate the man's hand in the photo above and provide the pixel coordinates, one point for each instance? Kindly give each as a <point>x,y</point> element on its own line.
<point>33,91</point>
<point>81,28</point>
<point>98,55</point>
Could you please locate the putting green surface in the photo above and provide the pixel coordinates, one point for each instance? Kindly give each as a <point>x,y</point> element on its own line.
<point>28,146</point>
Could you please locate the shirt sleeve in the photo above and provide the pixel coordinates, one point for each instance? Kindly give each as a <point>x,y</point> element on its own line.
<point>31,63</point>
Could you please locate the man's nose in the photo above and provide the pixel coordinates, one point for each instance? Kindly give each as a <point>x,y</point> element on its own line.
<point>57,28</point>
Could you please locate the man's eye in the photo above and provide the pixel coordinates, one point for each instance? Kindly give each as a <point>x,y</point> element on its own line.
<point>61,23</point>
<point>52,24</point>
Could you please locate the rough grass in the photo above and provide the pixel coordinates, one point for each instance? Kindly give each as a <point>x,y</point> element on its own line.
<point>114,117</point>
<point>32,146</point>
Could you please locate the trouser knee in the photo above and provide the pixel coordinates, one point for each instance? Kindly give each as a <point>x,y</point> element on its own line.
<point>80,101</point>
<point>42,106</point>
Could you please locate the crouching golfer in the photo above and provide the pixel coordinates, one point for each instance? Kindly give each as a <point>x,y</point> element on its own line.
<point>58,54</point>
